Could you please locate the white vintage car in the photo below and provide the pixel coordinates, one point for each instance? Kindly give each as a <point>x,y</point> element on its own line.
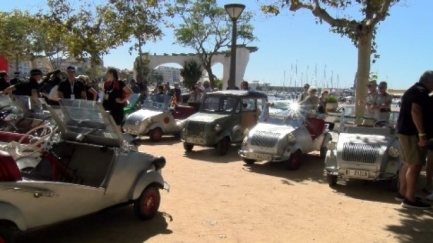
<point>365,153</point>
<point>284,137</point>
<point>85,168</point>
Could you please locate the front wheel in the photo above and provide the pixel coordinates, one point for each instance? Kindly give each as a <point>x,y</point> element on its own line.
<point>223,146</point>
<point>294,162</point>
<point>249,161</point>
<point>147,205</point>
<point>155,134</point>
<point>6,235</point>
<point>332,180</point>
<point>188,147</point>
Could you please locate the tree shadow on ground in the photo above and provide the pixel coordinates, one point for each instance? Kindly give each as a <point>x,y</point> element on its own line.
<point>311,170</point>
<point>210,155</point>
<point>117,225</point>
<point>165,140</point>
<point>415,226</point>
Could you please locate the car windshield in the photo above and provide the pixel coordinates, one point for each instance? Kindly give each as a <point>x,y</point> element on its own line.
<point>27,105</point>
<point>133,99</point>
<point>219,104</point>
<point>88,118</point>
<point>158,102</point>
<point>291,116</point>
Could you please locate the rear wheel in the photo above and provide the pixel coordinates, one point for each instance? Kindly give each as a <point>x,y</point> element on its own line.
<point>188,147</point>
<point>249,161</point>
<point>294,162</point>
<point>223,146</point>
<point>332,180</point>
<point>6,235</point>
<point>147,205</point>
<point>155,134</point>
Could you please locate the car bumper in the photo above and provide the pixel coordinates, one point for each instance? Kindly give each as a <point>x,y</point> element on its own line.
<point>197,141</point>
<point>262,156</point>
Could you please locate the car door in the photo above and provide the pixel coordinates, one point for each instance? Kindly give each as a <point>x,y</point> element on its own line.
<point>250,114</point>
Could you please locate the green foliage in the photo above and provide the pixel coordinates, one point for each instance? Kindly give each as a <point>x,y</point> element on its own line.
<point>141,66</point>
<point>218,84</point>
<point>206,28</point>
<point>373,76</point>
<point>331,99</point>
<point>191,72</point>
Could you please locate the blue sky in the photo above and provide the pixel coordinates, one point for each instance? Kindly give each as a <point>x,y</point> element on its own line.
<point>405,44</point>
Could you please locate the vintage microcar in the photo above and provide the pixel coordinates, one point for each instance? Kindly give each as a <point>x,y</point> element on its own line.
<point>284,137</point>
<point>85,168</point>
<point>365,153</point>
<point>157,117</point>
<point>225,117</point>
<point>22,113</point>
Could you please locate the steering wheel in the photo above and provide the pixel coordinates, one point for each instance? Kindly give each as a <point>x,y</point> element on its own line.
<point>382,123</point>
<point>25,150</point>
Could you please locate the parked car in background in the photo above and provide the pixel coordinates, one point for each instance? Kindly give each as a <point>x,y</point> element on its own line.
<point>157,117</point>
<point>285,137</point>
<point>87,167</point>
<point>225,117</point>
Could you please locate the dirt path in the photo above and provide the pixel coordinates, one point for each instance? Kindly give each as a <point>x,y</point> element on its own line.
<point>219,199</point>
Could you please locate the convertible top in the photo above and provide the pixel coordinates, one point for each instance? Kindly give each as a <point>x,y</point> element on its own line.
<point>239,93</point>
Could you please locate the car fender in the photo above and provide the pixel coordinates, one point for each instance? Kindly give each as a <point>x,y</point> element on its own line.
<point>155,125</point>
<point>291,148</point>
<point>326,140</point>
<point>145,180</point>
<point>13,214</point>
<point>223,135</point>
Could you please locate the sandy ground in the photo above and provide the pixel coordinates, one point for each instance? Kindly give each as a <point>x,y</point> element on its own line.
<point>219,199</point>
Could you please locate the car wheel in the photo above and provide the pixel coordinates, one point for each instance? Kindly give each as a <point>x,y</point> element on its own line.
<point>155,134</point>
<point>249,161</point>
<point>147,205</point>
<point>332,180</point>
<point>6,235</point>
<point>188,147</point>
<point>223,146</point>
<point>323,151</point>
<point>294,162</point>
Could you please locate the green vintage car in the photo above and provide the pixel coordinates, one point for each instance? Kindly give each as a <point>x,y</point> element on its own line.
<point>224,118</point>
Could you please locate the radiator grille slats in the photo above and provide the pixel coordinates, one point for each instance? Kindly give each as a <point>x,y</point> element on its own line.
<point>360,152</point>
<point>265,139</point>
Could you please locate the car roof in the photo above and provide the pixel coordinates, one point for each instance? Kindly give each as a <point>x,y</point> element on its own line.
<point>239,93</point>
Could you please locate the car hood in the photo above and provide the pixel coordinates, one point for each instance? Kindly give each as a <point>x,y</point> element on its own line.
<point>207,117</point>
<point>265,127</point>
<point>372,139</point>
<point>143,114</point>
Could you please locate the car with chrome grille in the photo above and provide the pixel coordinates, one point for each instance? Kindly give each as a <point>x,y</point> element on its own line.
<point>285,137</point>
<point>365,153</point>
<point>224,118</point>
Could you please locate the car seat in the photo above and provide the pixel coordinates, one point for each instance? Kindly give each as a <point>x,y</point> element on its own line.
<point>315,126</point>
<point>8,168</point>
<point>182,112</point>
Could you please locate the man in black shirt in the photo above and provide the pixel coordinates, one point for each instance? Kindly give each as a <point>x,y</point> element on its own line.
<point>3,80</point>
<point>413,135</point>
<point>71,88</point>
<point>30,87</point>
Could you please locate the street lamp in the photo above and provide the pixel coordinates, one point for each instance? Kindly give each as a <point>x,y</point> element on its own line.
<point>234,10</point>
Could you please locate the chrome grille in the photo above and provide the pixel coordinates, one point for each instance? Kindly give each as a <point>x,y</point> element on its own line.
<point>265,139</point>
<point>360,152</point>
<point>195,128</point>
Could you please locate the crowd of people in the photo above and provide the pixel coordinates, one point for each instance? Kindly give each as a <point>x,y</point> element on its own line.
<point>55,86</point>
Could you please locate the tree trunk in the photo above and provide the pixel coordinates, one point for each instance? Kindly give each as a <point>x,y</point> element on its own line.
<point>211,76</point>
<point>362,73</point>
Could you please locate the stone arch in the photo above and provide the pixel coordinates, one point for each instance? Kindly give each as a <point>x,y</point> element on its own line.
<point>242,51</point>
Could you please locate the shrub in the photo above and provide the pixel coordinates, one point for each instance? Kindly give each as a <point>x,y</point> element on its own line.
<point>332,99</point>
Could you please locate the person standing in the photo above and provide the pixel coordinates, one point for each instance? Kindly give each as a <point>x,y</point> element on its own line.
<point>413,132</point>
<point>207,87</point>
<point>3,80</point>
<point>30,87</point>
<point>311,102</point>
<point>382,108</point>
<point>244,86</point>
<point>50,84</point>
<point>370,103</point>
<point>16,79</point>
<point>116,94</point>
<point>304,94</point>
<point>323,100</point>
<point>71,88</point>
<point>134,87</point>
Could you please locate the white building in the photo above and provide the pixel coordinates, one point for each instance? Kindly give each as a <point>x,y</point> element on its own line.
<point>169,74</point>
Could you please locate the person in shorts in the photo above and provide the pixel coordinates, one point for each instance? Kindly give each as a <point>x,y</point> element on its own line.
<point>370,103</point>
<point>382,109</point>
<point>413,135</point>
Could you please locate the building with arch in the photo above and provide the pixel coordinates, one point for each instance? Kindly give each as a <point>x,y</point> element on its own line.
<point>242,51</point>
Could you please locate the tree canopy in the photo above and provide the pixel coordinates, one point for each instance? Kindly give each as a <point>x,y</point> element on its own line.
<point>205,27</point>
<point>191,72</point>
<point>362,31</point>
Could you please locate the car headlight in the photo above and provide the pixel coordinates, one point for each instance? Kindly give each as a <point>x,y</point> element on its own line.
<point>137,123</point>
<point>291,138</point>
<point>217,127</point>
<point>393,152</point>
<point>245,142</point>
<point>331,145</point>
